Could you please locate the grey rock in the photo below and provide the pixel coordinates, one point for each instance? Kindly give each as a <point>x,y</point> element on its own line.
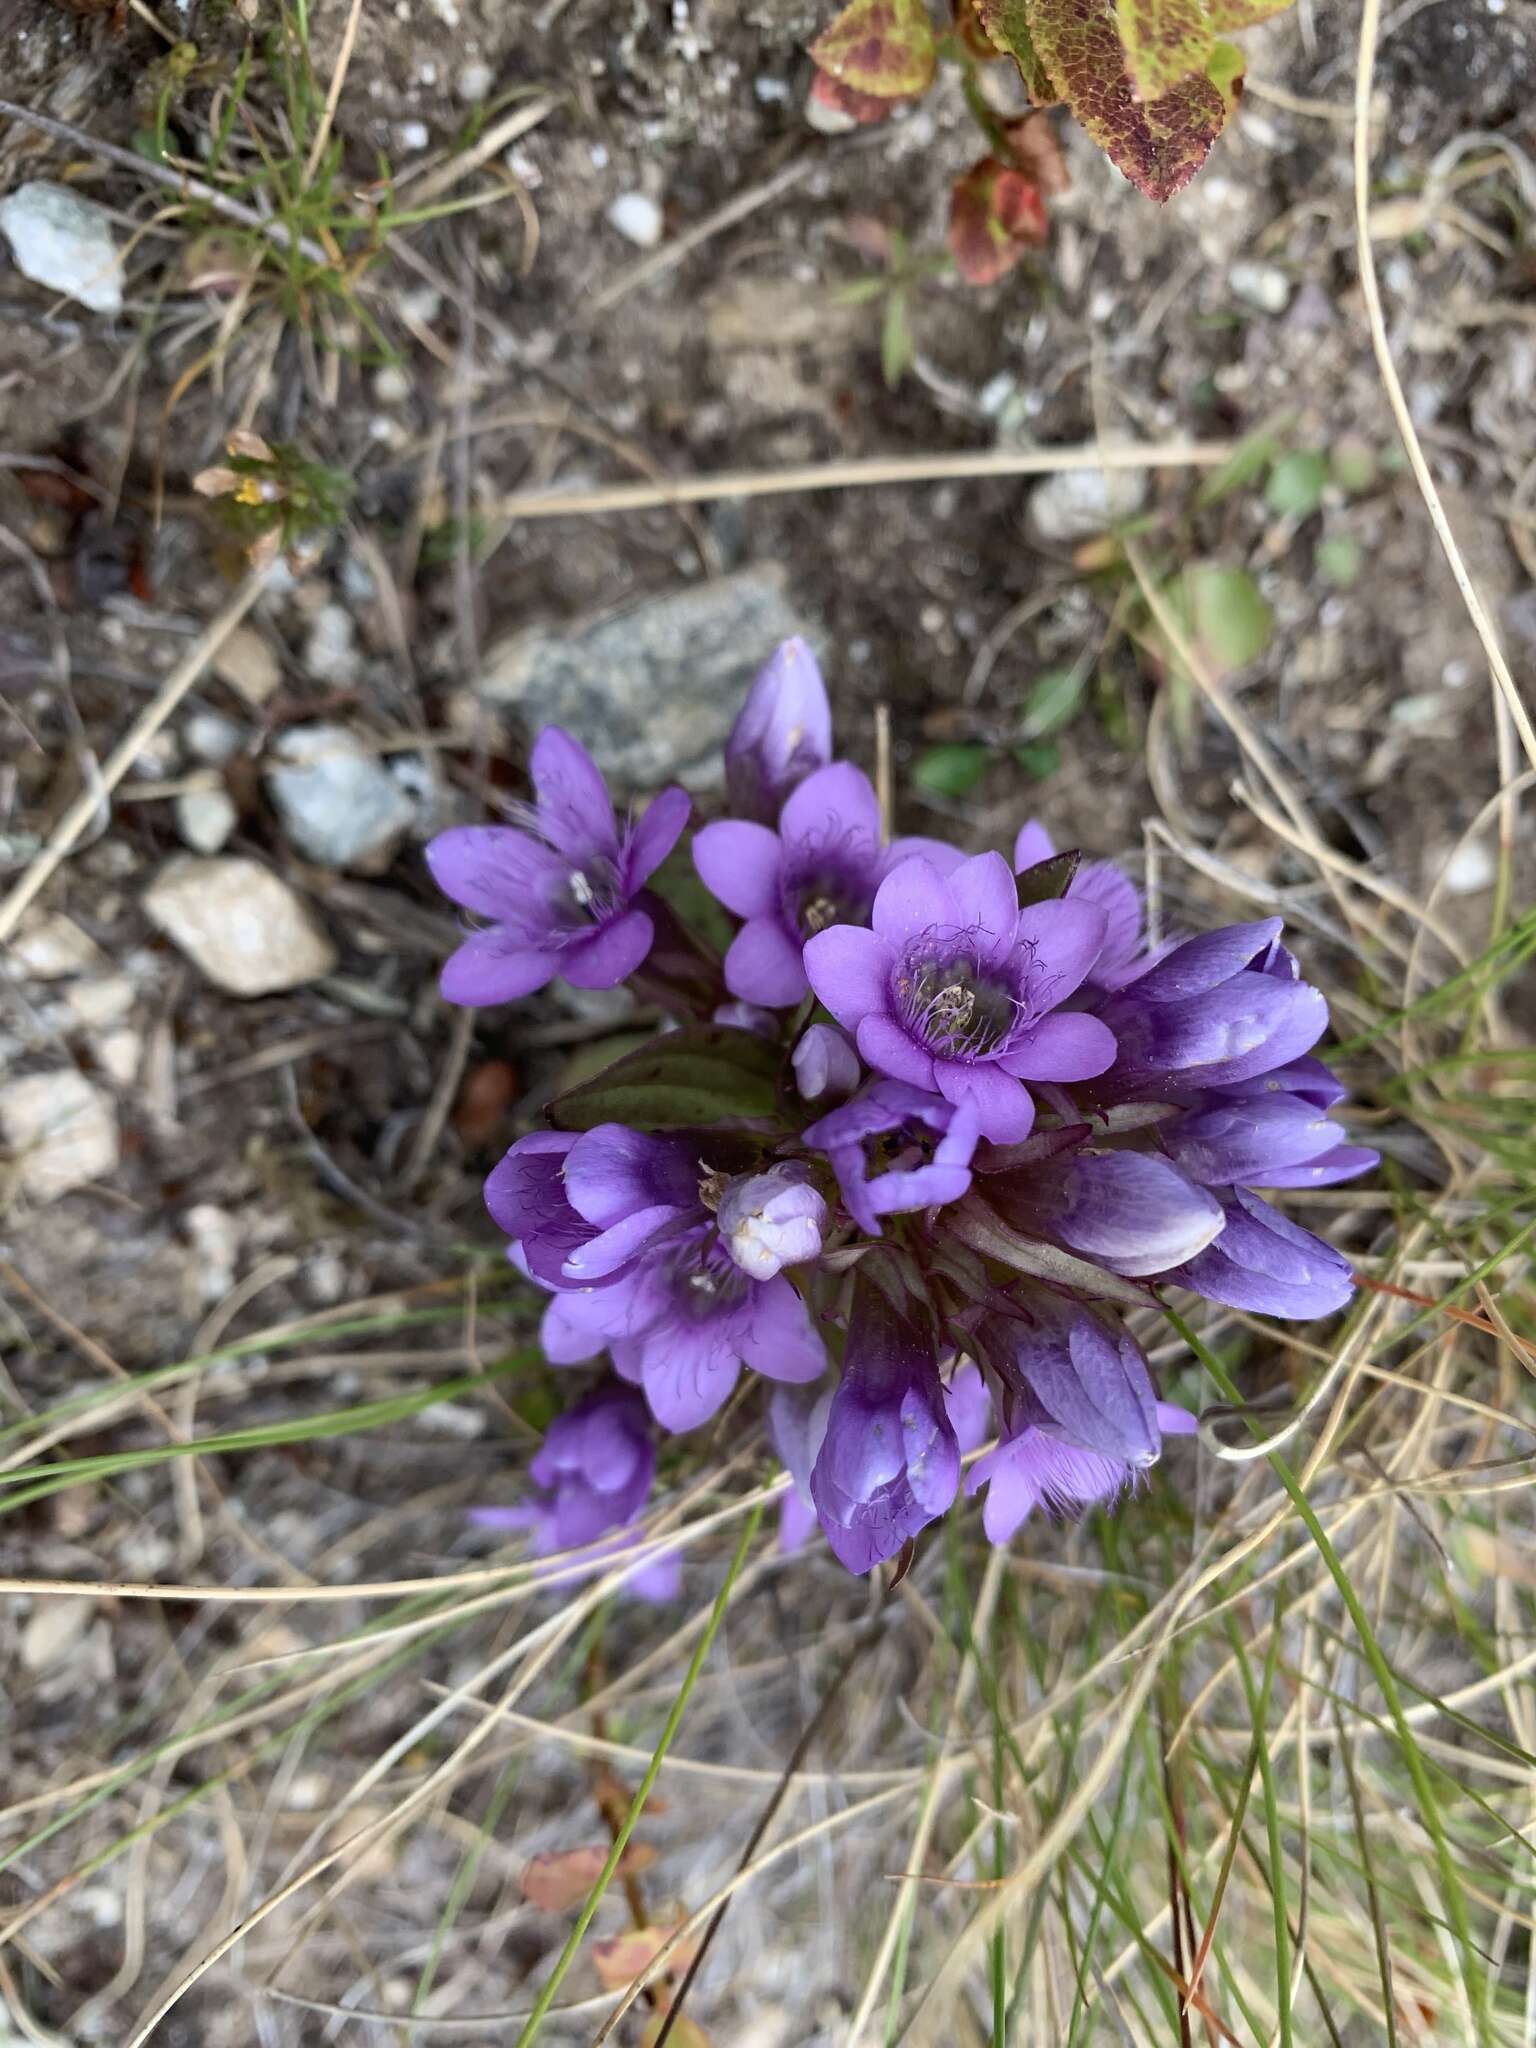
<point>338,802</point>
<point>240,924</point>
<point>653,691</point>
<point>330,652</point>
<point>205,818</point>
<point>1076,504</point>
<point>64,242</point>
<point>1264,286</point>
<point>61,1131</point>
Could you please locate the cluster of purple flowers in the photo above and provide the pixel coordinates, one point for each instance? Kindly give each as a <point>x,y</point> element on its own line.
<point>999,1117</point>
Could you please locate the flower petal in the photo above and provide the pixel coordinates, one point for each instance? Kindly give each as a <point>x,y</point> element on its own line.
<point>850,970</point>
<point>1005,1110</point>
<point>1066,937</point>
<point>780,1340</point>
<point>575,810</point>
<point>496,871</point>
<point>1066,1046</point>
<point>836,801</point>
<point>491,968</point>
<point>987,900</point>
<point>653,835</point>
<point>739,864</point>
<point>688,1378</point>
<point>763,965</point>
<point>884,1044</point>
<point>612,953</point>
<point>913,899</point>
<point>1033,845</point>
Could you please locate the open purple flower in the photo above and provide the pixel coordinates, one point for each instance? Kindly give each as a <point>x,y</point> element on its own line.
<point>1084,1418</point>
<point>894,1149</point>
<point>821,867</point>
<point>1098,882</point>
<point>889,1463</point>
<point>1264,1262</point>
<point>682,1322</point>
<point>958,989</point>
<point>558,893</point>
<point>782,734</point>
<point>1214,1011</point>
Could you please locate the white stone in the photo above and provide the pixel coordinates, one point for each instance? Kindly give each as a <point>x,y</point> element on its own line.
<point>215,1239</point>
<point>61,1131</point>
<point>205,818</point>
<point>637,218</point>
<point>413,134</point>
<point>105,1000</point>
<point>213,738</point>
<point>474,82</point>
<point>119,1054</point>
<point>338,802</point>
<point>246,662</point>
<point>1261,285</point>
<point>391,386</point>
<point>53,1628</point>
<point>1470,868</point>
<point>239,923</point>
<point>330,652</point>
<point>1076,504</point>
<point>65,242</point>
<point>53,948</point>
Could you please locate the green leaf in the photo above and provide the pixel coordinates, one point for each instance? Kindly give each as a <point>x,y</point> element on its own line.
<point>1165,40</point>
<point>1296,484</point>
<point>1231,620</point>
<point>1048,879</point>
<point>1352,461</point>
<point>1038,758</point>
<point>699,1075</point>
<point>1053,699</point>
<point>895,340</point>
<point>1007,24</point>
<point>882,47</point>
<point>1339,560</point>
<point>952,770</point>
<point>1248,461</point>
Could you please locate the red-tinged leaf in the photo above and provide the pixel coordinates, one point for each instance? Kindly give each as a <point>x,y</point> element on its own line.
<point>858,108</point>
<point>1158,144</point>
<point>562,1878</point>
<point>1037,152</point>
<point>1166,41</point>
<point>995,214</point>
<point>1007,24</point>
<point>619,1961</point>
<point>883,47</point>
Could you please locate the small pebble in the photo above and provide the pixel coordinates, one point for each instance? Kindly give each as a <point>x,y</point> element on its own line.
<point>413,134</point>
<point>474,82</point>
<point>637,218</point>
<point>61,1130</point>
<point>246,662</point>
<point>330,651</point>
<point>53,948</point>
<point>237,922</point>
<point>64,242</point>
<point>205,818</point>
<point>1261,285</point>
<point>1470,868</point>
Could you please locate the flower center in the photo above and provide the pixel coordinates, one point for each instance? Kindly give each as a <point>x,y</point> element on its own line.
<point>829,880</point>
<point>590,895</point>
<point>953,1009</point>
<point>705,1278</point>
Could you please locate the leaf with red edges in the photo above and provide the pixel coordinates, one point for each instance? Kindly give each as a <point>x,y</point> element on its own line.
<point>882,47</point>
<point>995,215</point>
<point>1007,23</point>
<point>861,108</point>
<point>1165,41</point>
<point>1160,143</point>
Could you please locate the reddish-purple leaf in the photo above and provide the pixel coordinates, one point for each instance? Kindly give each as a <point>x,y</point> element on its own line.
<point>560,1878</point>
<point>619,1961</point>
<point>859,108</point>
<point>882,47</point>
<point>1165,41</point>
<point>995,214</point>
<point>1036,151</point>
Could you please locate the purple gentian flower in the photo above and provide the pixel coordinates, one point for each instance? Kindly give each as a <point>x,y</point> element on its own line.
<point>782,734</point>
<point>825,1064</point>
<point>957,989</point>
<point>1085,1420</point>
<point>1264,1262</point>
<point>579,1209</point>
<point>1216,1010</point>
<point>914,1172</point>
<point>968,1404</point>
<point>1266,1140</point>
<point>821,867</point>
<point>771,1220</point>
<point>1098,882</point>
<point>797,1422</point>
<point>593,1471</point>
<point>889,1463</point>
<point>1131,1212</point>
<point>682,1321</point>
<point>559,893</point>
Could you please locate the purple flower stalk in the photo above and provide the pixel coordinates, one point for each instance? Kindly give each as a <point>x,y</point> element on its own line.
<point>782,734</point>
<point>559,892</point>
<point>958,990</point>
<point>821,867</point>
<point>890,1461</point>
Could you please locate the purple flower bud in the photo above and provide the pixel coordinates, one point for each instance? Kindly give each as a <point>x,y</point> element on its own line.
<point>900,1125</point>
<point>968,1404</point>
<point>1264,1262</point>
<point>782,734</point>
<point>1131,1212</point>
<point>890,1462</point>
<point>825,1064</point>
<point>580,1209</point>
<point>593,1470</point>
<point>797,1422</point>
<point>1246,1141</point>
<point>557,895</point>
<point>772,1220</point>
<point>956,989</point>
<point>748,1017</point>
